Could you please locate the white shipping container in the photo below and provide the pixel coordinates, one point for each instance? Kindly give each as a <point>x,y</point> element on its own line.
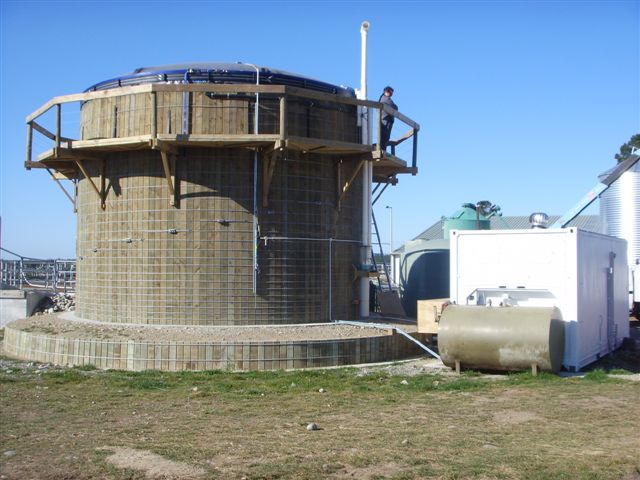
<point>582,273</point>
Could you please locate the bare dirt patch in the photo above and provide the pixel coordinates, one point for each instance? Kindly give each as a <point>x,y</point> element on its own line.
<point>385,470</point>
<point>155,467</point>
<point>514,417</point>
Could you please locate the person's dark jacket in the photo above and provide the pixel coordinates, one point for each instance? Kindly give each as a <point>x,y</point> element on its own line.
<point>386,117</point>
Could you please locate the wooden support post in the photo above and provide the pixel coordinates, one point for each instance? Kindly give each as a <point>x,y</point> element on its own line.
<point>379,141</point>
<point>29,143</point>
<point>339,184</point>
<point>414,161</point>
<point>284,127</point>
<point>534,369</point>
<point>186,113</point>
<point>166,166</point>
<point>114,122</point>
<point>88,177</point>
<point>458,367</point>
<point>154,115</point>
<point>58,124</point>
<point>75,195</point>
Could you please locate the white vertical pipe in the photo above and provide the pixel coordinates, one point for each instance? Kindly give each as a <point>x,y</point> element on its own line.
<point>363,59</point>
<point>255,184</point>
<point>367,174</point>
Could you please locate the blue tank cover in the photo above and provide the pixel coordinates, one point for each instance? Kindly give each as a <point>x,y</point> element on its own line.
<point>218,73</point>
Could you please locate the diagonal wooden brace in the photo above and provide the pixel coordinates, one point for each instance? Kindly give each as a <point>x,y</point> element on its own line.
<point>345,188</point>
<point>269,161</point>
<point>168,173</point>
<point>64,190</point>
<point>92,183</point>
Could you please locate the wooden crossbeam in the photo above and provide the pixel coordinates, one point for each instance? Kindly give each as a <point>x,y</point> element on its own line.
<point>62,153</point>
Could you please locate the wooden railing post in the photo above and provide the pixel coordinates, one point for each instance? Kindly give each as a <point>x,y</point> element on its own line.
<point>283,120</point>
<point>154,115</point>
<point>379,142</point>
<point>114,122</point>
<point>58,124</point>
<point>415,151</point>
<point>29,143</point>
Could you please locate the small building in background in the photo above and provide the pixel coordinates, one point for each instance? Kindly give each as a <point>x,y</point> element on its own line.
<point>420,267</point>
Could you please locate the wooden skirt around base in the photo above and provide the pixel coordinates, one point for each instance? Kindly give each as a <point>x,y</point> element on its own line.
<point>138,355</point>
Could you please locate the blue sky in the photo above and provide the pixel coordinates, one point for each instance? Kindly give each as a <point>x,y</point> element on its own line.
<point>520,103</point>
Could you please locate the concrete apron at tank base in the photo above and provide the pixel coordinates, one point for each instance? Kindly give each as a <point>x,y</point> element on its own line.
<point>65,339</point>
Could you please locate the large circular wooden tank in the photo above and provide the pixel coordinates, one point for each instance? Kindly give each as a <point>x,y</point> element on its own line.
<point>221,254</point>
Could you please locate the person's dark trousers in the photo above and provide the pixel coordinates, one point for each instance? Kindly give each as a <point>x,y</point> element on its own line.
<point>385,134</point>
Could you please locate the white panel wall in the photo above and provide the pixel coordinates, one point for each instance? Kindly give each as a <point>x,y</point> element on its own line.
<point>570,264</point>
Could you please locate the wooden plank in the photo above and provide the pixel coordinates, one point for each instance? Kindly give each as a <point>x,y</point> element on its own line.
<point>36,126</point>
<point>218,88</point>
<point>401,139</point>
<point>84,97</point>
<point>108,144</point>
<point>326,146</point>
<point>328,97</point>
<point>197,113</point>
<point>63,153</point>
<point>429,313</point>
<point>384,159</point>
<point>215,140</point>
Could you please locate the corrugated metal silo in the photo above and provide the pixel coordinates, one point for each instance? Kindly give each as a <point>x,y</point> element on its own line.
<point>620,211</point>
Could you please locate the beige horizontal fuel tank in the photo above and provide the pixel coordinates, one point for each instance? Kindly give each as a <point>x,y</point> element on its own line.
<point>502,338</point>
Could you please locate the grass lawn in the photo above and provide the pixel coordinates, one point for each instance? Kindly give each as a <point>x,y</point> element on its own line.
<point>81,423</point>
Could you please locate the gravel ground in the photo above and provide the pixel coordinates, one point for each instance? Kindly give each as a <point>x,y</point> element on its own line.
<point>70,326</point>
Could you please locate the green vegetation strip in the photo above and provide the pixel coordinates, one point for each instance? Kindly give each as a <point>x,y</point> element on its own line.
<point>71,423</point>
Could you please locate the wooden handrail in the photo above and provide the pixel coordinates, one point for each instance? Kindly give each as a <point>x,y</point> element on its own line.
<point>280,91</point>
<point>219,88</point>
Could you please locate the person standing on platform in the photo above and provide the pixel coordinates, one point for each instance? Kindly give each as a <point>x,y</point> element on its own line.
<point>386,119</point>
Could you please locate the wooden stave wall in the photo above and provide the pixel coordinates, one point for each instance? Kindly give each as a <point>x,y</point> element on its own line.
<point>138,355</point>
<point>215,114</point>
<point>293,278</point>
